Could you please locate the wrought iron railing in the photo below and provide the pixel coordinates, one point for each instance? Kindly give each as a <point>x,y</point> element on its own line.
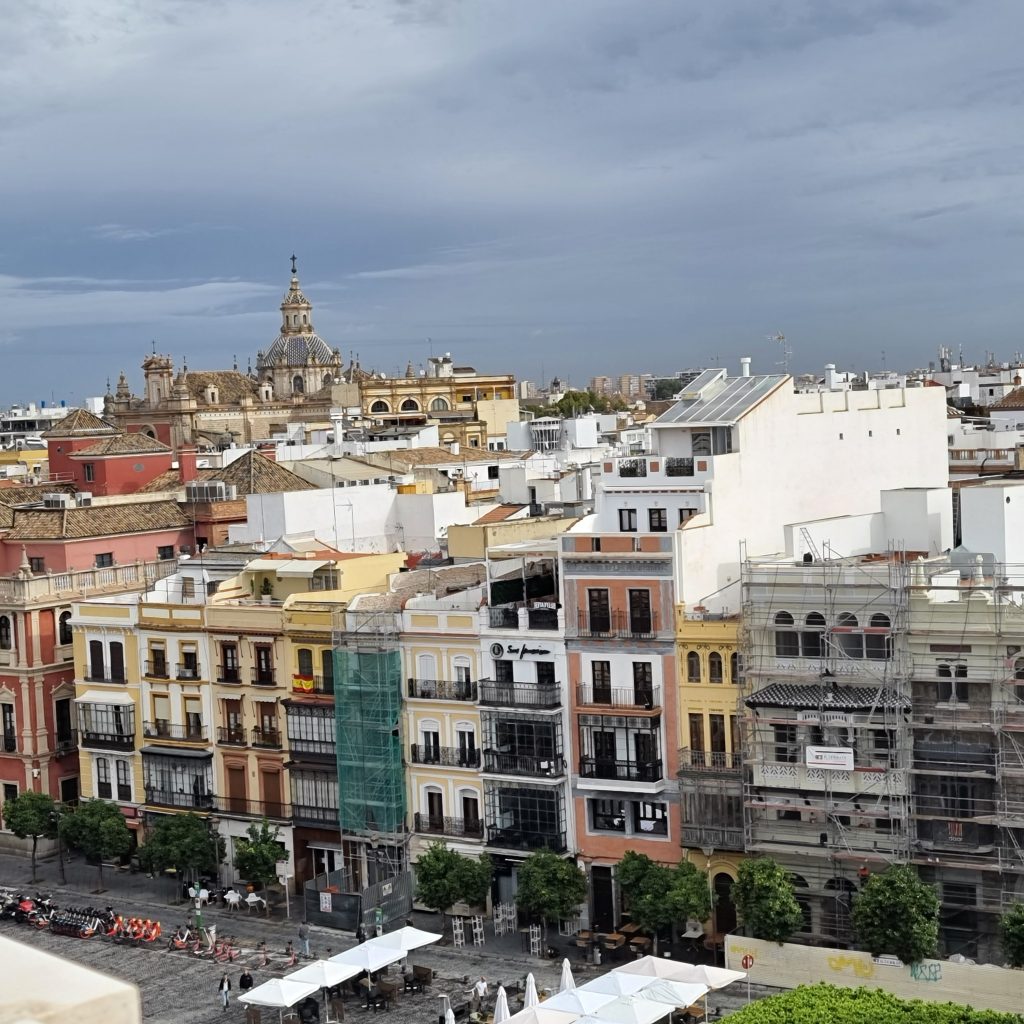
<point>465,828</point>
<point>519,695</point>
<point>442,689</point>
<point>612,768</point>
<point>449,757</point>
<point>646,697</point>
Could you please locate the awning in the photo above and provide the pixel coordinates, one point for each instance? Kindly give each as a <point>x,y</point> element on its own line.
<point>105,697</point>
<point>287,566</point>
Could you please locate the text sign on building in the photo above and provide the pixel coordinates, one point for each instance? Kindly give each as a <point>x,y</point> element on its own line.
<point>836,758</point>
<point>325,903</point>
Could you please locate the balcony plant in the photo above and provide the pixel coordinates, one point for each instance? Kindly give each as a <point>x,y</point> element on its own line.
<point>266,591</point>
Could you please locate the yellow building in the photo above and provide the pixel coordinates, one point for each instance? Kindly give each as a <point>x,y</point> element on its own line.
<point>710,764</point>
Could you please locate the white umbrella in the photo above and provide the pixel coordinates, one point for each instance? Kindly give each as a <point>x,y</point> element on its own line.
<point>566,983</point>
<point>324,973</point>
<point>501,1006</point>
<point>368,958</point>
<point>449,1016</point>
<point>405,939</point>
<point>541,1015</point>
<point>578,1001</point>
<point>530,997</point>
<point>615,984</point>
<point>630,1010</point>
<point>279,992</point>
<point>655,967</point>
<point>675,993</point>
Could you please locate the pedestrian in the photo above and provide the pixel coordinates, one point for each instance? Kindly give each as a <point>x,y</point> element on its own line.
<point>245,982</point>
<point>479,993</point>
<point>360,933</point>
<point>304,937</point>
<point>223,989</point>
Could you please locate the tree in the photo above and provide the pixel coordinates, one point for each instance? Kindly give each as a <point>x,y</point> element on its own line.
<point>444,877</point>
<point>1012,928</point>
<point>182,842</point>
<point>897,913</point>
<point>550,887</point>
<point>257,855</point>
<point>690,894</point>
<point>31,816</point>
<point>764,897</point>
<point>98,830</point>
<point>665,388</point>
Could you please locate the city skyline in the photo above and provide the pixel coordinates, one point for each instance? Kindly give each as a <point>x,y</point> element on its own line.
<point>547,195</point>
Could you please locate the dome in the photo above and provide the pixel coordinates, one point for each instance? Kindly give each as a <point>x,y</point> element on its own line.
<point>297,350</point>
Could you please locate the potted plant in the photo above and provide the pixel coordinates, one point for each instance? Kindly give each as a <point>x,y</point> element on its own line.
<point>266,591</point>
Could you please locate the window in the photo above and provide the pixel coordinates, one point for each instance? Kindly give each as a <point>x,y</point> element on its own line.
<point>228,663</point>
<point>717,724</point>
<point>686,514</point>
<point>37,563</point>
<point>786,749</point>
<point>189,667</point>
<point>601,680</point>
<point>701,442</point>
<point>693,667</point>
<point>10,792</point>
<point>298,385</point>
<point>787,642</point>
<point>600,612</point>
<point>643,684</point>
<point>607,815</point>
<point>64,628</point>
<point>545,673</point>
<point>502,670</point>
<point>465,740</point>
<point>96,659</point>
<point>89,472</point>
<point>158,662</point>
<point>952,683</point>
<point>735,669</point>
<point>379,406</point>
<point>439,405</point>
<point>304,657</point>
<point>105,560</point>
<point>650,818</point>
<point>714,667</point>
<point>124,781</point>
<point>595,543</point>
<point>462,669</point>
<point>465,398</point>
<point>103,790</point>
<point>117,662</point>
<point>410,405</point>
<point>657,519</point>
<point>878,645</point>
<point>165,551</point>
<point>10,735</point>
<point>474,442</point>
<point>492,472</point>
<point>5,633</point>
<point>640,618</point>
<point>627,520</point>
<point>850,643</point>
<point>811,637</point>
<point>696,722</point>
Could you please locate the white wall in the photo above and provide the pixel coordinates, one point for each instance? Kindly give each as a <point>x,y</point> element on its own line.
<point>424,518</point>
<point>992,520</point>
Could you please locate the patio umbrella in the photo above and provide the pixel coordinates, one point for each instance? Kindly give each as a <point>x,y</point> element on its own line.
<point>541,1015</point>
<point>368,958</point>
<point>629,1010</point>
<point>615,984</point>
<point>324,974</point>
<point>406,939</point>
<point>530,997</point>
<point>279,993</point>
<point>675,993</point>
<point>566,983</point>
<point>501,1006</point>
<point>653,967</point>
<point>578,1001</point>
<point>449,1016</point>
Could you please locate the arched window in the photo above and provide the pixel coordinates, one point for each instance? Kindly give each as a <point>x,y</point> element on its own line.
<point>298,387</point>
<point>735,672</point>
<point>878,645</point>
<point>410,405</point>
<point>327,669</point>
<point>850,643</point>
<point>304,657</point>
<point>328,380</point>
<point>714,667</point>
<point>5,633</point>
<point>439,405</point>
<point>693,667</point>
<point>64,628</point>
<point>787,640</point>
<point>429,749</point>
<point>380,406</point>
<point>810,638</point>
<point>305,319</point>
<point>434,800</point>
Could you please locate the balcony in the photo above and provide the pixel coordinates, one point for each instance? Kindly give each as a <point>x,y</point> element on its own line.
<point>309,814</point>
<point>499,763</point>
<point>107,740</point>
<point>449,757</point>
<point>618,624</point>
<point>709,761</point>
<point>187,672</point>
<point>157,669</point>
<point>442,689</point>
<point>46,587</point>
<point>267,738</point>
<point>513,838</point>
<point>503,617</point>
<point>10,743</point>
<point>457,828</point>
<point>624,771</point>
<point>164,730</point>
<point>244,808</point>
<point>180,801</point>
<point>632,468</point>
<point>542,618</point>
<point>104,676</point>
<point>261,677</point>
<point>645,698</point>
<point>678,467</point>
<point>66,743</point>
<point>519,695</point>
<point>229,674</point>
<point>106,791</point>
<point>313,748</point>
<point>231,735</point>
<point>313,684</point>
<point>711,836</point>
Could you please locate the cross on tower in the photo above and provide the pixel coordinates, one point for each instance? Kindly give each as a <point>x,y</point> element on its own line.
<point>293,263</point>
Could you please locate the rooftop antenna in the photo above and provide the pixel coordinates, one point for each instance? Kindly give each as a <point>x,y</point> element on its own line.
<point>780,339</point>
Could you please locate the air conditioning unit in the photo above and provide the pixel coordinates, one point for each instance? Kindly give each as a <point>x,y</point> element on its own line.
<point>83,499</point>
<point>58,499</point>
<point>210,490</point>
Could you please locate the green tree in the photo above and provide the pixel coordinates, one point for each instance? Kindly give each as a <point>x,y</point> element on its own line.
<point>665,388</point>
<point>184,843</point>
<point>444,877</point>
<point>690,894</point>
<point>1011,928</point>
<point>897,913</point>
<point>550,887</point>
<point>257,855</point>
<point>97,829</point>
<point>31,816</point>
<point>764,897</point>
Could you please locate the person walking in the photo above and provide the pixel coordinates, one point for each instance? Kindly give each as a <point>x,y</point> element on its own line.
<point>245,982</point>
<point>304,937</point>
<point>224,989</point>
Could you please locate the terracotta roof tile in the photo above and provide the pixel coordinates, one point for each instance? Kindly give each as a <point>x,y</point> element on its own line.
<point>1013,400</point>
<point>80,423</point>
<point>96,521</point>
<point>25,495</point>
<point>123,444</point>
<point>256,474</point>
<point>231,385</point>
<point>499,514</point>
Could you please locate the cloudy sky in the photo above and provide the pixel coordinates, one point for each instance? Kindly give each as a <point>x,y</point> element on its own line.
<point>569,188</point>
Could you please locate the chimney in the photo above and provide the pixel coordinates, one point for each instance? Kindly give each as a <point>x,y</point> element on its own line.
<point>745,366</point>
<point>187,464</point>
<point>268,451</point>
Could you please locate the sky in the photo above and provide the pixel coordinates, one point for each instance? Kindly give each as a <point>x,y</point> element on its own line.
<point>572,188</point>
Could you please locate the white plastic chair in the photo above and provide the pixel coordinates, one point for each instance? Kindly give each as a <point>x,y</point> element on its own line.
<point>204,897</point>
<point>192,894</point>
<point>232,899</point>
<point>252,900</point>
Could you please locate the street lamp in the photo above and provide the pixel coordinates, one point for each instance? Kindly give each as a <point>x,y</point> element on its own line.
<point>55,822</point>
<point>709,852</point>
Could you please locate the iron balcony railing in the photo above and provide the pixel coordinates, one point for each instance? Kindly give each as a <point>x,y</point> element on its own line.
<point>157,669</point>
<point>542,618</point>
<point>107,740</point>
<point>711,836</point>
<point>67,743</point>
<point>633,467</point>
<point>458,828</point>
<point>309,814</point>
<point>525,839</point>
<point>503,617</point>
<point>449,757</point>
<point>675,466</point>
<point>314,748</point>
<point>187,672</point>
<point>231,735</point>
<point>187,801</point>
<point>645,697</point>
<point>618,624</point>
<point>500,763</point>
<point>104,676</point>
<point>266,738</point>
<point>164,730</point>
<point>229,674</point>
<point>519,695</point>
<point>611,768</point>
<point>261,677</point>
<point>10,743</point>
<point>312,684</point>
<point>442,689</point>
<point>709,760</point>
<point>252,808</point>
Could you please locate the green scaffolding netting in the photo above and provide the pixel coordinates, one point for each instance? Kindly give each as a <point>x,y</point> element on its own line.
<point>368,706</point>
